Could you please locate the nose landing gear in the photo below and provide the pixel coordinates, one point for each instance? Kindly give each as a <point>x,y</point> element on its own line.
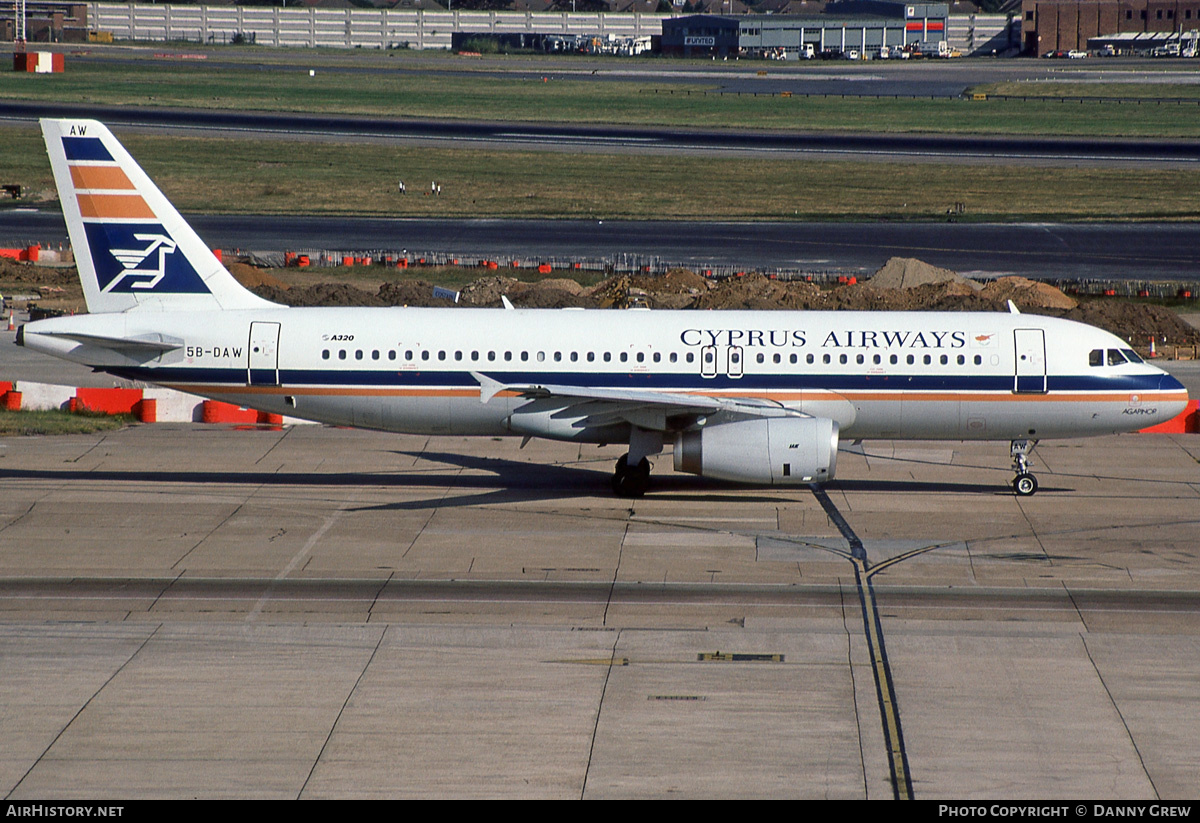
<point>1024,484</point>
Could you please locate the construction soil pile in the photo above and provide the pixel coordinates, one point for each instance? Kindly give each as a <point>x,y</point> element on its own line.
<point>902,284</point>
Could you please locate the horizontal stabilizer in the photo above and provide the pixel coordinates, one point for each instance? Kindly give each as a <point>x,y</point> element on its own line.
<point>153,343</point>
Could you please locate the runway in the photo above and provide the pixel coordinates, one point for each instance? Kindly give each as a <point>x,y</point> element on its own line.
<point>317,612</point>
<point>789,144</point>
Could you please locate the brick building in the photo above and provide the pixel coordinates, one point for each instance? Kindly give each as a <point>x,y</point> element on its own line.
<point>1054,25</point>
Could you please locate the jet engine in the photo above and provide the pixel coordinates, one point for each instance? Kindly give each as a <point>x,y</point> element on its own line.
<point>772,450</point>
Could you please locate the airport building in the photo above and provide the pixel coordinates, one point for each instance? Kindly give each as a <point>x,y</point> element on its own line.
<point>1051,26</point>
<point>46,22</point>
<point>849,28</point>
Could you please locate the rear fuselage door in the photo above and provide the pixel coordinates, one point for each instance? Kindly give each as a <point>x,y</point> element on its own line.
<point>263,363</point>
<point>1031,361</point>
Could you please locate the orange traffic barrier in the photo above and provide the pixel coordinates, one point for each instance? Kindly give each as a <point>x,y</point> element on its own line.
<point>107,401</point>
<point>146,410</point>
<point>12,400</point>
<point>214,411</point>
<point>1186,422</point>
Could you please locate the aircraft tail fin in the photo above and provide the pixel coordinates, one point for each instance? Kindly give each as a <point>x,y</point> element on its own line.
<point>132,248</point>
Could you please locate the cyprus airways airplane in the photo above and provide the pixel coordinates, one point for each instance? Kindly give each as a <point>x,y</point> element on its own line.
<point>756,397</point>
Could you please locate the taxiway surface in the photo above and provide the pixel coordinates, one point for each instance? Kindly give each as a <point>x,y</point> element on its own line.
<point>191,610</point>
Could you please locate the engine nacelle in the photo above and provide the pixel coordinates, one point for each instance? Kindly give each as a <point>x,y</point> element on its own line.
<point>772,450</point>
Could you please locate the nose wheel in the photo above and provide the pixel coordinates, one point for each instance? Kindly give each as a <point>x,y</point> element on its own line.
<point>1024,484</point>
<point>631,481</point>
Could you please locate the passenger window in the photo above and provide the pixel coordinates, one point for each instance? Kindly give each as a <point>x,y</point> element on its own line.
<point>491,355</point>
<point>341,354</point>
<point>657,357</point>
<point>910,360</point>
<point>674,357</point>
<point>809,359</point>
<point>826,359</point>
<point>541,357</point>
<point>425,354</point>
<point>691,357</point>
<point>945,359</point>
<point>392,354</point>
<point>325,354</point>
<point>441,355</point>
<point>928,360</point>
<point>524,355</point>
<point>591,356</point>
<point>962,360</point>
<point>574,356</point>
<point>608,357</point>
<point>358,355</point>
<point>508,355</point>
<point>979,360</point>
<point>794,359</point>
<point>641,357</point>
<point>894,359</point>
<point>762,358</point>
<point>458,355</point>
<point>778,358</point>
<point>624,356</point>
<point>859,360</point>
<point>877,359</point>
<point>375,354</point>
<point>474,355</point>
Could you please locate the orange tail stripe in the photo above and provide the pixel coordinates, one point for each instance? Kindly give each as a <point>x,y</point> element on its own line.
<point>114,205</point>
<point>99,177</point>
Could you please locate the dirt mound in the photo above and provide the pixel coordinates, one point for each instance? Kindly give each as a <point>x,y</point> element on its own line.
<point>751,291</point>
<point>1027,293</point>
<point>908,272</point>
<point>541,297</point>
<point>486,291</point>
<point>321,294</point>
<point>252,277</point>
<point>411,293</point>
<point>674,281</point>
<point>1135,322</point>
<point>558,284</point>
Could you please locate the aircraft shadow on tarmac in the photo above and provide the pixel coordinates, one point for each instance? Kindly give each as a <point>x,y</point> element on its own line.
<point>500,481</point>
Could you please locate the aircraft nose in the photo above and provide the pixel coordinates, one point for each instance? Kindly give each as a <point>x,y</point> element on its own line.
<point>1168,383</point>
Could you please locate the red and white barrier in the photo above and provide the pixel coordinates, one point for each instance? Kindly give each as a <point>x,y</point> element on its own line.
<point>152,405</point>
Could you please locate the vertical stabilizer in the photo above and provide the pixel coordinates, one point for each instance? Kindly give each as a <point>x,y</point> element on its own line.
<point>132,248</point>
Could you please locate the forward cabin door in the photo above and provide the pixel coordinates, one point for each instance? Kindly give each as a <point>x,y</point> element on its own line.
<point>1031,361</point>
<point>263,364</point>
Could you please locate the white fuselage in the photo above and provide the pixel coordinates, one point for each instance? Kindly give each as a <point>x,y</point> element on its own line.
<point>929,375</point>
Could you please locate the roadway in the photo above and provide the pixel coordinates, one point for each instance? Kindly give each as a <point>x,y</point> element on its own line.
<point>1043,251</point>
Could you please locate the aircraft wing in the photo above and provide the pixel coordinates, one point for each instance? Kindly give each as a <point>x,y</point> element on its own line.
<point>646,409</point>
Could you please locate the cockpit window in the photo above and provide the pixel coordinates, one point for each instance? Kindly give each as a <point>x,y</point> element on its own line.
<point>1096,357</point>
<point>1132,356</point>
<point>1115,358</point>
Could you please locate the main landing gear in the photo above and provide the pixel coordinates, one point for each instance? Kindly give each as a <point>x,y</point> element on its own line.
<point>1024,484</point>
<point>631,481</point>
<point>632,475</point>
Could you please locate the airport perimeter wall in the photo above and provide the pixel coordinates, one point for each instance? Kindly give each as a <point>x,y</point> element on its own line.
<point>392,28</point>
